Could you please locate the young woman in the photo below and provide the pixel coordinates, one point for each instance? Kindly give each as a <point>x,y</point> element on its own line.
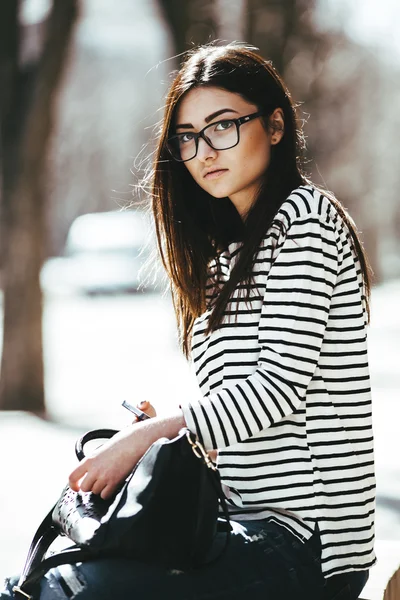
<point>271,292</point>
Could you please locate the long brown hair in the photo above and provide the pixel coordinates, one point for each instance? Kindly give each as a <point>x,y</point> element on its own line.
<point>191,225</point>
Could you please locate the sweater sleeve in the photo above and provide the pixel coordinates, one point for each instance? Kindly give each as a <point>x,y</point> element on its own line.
<point>293,319</point>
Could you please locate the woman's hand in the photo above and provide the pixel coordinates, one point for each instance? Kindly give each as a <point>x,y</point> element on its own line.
<point>108,466</point>
<point>213,455</point>
<point>146,407</point>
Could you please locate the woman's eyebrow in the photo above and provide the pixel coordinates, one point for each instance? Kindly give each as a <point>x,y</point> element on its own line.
<point>207,119</point>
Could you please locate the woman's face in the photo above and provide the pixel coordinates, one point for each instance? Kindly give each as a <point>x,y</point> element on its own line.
<point>242,166</point>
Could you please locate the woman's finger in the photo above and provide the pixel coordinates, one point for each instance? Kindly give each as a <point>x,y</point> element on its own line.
<point>76,475</point>
<point>87,483</point>
<point>147,408</point>
<point>108,492</point>
<point>98,487</point>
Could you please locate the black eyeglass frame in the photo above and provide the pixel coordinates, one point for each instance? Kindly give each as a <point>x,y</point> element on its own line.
<point>200,134</point>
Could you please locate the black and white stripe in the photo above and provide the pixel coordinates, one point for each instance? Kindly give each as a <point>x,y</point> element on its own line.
<point>285,390</point>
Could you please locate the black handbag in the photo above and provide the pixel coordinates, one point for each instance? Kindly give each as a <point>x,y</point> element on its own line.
<point>165,512</point>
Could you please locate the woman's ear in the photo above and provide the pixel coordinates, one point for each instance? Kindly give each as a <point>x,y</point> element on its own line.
<point>277,126</point>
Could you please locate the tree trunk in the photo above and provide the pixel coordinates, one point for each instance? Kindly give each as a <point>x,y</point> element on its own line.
<point>270,26</point>
<point>27,122</point>
<point>191,22</point>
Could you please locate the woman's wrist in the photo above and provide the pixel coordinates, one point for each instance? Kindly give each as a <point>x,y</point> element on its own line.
<point>148,431</point>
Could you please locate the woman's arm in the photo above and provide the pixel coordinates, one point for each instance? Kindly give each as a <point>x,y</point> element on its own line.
<point>103,471</point>
<point>295,311</point>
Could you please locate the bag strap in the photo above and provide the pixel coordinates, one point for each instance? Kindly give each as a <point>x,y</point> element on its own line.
<point>93,434</point>
<point>213,475</point>
<point>221,497</point>
<point>42,540</point>
<point>26,585</point>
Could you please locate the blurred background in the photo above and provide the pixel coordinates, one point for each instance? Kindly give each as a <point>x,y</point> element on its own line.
<point>82,86</point>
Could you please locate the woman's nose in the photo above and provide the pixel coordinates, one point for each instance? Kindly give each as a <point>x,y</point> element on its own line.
<point>205,151</point>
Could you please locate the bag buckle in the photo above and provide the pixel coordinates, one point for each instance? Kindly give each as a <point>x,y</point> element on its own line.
<point>200,452</point>
<point>18,590</point>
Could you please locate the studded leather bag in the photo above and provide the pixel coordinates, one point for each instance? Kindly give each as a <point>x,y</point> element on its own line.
<point>165,512</point>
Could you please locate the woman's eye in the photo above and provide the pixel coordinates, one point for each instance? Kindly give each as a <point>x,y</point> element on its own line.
<point>185,138</point>
<point>223,125</point>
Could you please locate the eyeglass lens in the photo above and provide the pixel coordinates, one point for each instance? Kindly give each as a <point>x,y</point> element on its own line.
<point>221,135</point>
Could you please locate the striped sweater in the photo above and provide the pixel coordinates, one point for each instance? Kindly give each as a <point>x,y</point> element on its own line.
<point>285,390</point>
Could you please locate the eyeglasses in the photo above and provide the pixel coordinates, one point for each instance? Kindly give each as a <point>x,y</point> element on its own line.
<point>220,135</point>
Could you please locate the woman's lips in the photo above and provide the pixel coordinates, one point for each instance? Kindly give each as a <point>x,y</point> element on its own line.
<point>215,174</point>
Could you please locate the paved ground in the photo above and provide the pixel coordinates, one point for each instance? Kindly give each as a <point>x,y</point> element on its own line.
<point>98,351</point>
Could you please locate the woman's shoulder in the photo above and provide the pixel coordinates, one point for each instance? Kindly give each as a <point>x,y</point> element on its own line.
<point>305,202</point>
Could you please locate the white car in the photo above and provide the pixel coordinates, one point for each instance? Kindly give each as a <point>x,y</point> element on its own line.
<point>104,253</point>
